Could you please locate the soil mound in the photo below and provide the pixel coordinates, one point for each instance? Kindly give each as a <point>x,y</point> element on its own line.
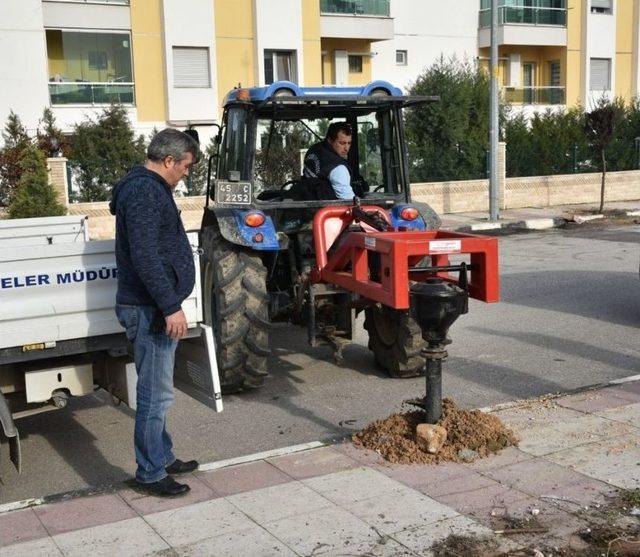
<point>475,433</point>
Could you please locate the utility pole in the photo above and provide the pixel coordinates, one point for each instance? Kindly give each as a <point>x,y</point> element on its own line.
<point>494,122</point>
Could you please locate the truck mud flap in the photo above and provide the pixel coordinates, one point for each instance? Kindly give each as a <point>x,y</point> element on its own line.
<point>196,369</point>
<point>11,432</point>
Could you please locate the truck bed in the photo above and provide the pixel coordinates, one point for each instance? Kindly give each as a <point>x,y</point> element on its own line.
<point>58,292</point>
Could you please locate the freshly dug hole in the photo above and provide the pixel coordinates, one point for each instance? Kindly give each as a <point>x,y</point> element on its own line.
<point>395,437</point>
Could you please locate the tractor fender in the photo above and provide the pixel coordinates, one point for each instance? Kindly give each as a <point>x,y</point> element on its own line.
<point>11,432</point>
<point>431,218</point>
<point>232,227</point>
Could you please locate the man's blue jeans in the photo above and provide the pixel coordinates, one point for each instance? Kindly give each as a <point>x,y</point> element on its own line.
<point>154,355</point>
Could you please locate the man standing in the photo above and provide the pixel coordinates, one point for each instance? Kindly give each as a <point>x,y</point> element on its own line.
<point>156,273</point>
<point>327,161</point>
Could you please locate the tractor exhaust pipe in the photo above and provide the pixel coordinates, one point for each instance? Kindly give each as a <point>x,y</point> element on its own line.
<point>436,305</point>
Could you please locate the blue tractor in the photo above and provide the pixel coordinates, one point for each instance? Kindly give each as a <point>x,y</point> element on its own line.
<point>257,235</point>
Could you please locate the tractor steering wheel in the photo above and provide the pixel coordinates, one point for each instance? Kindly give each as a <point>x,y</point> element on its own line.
<point>378,188</point>
<point>289,183</point>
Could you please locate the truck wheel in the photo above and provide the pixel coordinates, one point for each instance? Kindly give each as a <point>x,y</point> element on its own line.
<point>395,339</point>
<point>236,306</point>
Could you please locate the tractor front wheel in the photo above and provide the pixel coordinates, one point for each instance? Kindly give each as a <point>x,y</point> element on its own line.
<point>395,339</point>
<point>236,306</point>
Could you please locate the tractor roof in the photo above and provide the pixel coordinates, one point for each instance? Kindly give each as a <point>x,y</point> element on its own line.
<point>292,101</point>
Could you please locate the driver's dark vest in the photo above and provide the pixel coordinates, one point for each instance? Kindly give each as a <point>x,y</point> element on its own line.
<point>321,160</point>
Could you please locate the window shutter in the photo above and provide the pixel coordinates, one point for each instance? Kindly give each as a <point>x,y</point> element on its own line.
<point>601,4</point>
<point>191,67</point>
<point>600,74</point>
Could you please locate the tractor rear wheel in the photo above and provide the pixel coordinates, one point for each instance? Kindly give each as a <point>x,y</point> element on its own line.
<point>395,339</point>
<point>236,306</point>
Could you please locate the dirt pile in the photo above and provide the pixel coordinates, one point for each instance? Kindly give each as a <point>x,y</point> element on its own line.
<point>470,434</point>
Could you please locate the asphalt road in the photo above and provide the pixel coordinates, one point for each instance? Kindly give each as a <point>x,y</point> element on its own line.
<point>568,318</point>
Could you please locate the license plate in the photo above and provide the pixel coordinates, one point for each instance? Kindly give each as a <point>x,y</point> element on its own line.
<point>233,193</point>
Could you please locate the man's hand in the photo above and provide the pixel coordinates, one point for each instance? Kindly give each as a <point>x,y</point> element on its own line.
<point>176,325</point>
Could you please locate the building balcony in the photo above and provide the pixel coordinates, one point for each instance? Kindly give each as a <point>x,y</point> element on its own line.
<point>525,25</point>
<point>356,19</point>
<point>356,7</point>
<point>548,95</point>
<point>83,93</point>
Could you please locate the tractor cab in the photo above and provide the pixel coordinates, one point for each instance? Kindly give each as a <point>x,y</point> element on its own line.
<point>276,249</point>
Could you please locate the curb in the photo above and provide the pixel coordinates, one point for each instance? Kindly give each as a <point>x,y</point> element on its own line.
<point>534,224</point>
<point>528,224</point>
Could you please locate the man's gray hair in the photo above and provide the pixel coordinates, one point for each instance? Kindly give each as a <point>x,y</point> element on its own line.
<point>172,143</point>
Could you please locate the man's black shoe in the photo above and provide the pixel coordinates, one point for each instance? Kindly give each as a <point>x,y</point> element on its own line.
<point>179,467</point>
<point>166,487</point>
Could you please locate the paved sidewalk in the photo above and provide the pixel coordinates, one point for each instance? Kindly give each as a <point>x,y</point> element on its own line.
<point>576,451</point>
<point>530,218</point>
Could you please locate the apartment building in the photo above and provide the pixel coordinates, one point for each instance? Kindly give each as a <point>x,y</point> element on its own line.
<point>564,52</point>
<point>170,62</point>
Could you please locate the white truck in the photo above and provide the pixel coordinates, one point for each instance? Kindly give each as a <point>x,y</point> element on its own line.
<point>59,335</point>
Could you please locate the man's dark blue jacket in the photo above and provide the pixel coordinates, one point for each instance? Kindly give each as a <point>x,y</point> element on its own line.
<point>154,258</point>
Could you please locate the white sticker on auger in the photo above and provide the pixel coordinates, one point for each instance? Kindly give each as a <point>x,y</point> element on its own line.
<point>369,242</point>
<point>448,246</point>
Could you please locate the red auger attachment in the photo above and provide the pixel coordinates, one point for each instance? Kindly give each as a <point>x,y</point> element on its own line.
<point>386,277</point>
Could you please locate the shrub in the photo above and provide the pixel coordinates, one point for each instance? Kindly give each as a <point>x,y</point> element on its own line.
<point>15,140</point>
<point>34,196</point>
<point>102,152</point>
<point>449,139</point>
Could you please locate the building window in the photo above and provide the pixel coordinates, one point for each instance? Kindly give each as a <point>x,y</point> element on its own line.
<point>355,63</point>
<point>89,68</point>
<point>600,74</point>
<point>554,74</point>
<point>401,57</point>
<point>191,67</point>
<point>601,6</point>
<point>280,65</point>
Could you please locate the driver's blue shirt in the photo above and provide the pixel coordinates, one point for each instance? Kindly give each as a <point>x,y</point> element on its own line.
<point>341,182</point>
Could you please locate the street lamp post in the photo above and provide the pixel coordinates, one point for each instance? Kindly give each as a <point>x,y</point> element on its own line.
<point>494,121</point>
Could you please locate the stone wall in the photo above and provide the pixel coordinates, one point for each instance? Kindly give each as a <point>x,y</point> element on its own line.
<point>102,223</point>
<point>533,191</point>
<point>57,167</point>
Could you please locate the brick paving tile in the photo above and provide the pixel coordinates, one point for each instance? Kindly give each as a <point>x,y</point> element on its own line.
<point>629,391</point>
<point>401,510</point>
<point>480,502</point>
<point>131,537</point>
<point>505,457</point>
<point>278,502</point>
<point>629,414</point>
<point>197,522</point>
<point>20,526</point>
<point>244,477</point>
<point>316,462</point>
<point>418,476</point>
<point>322,531</point>
<point>44,547</point>
<point>593,401</point>
<point>540,477</point>
<point>83,512</point>
<point>252,541</point>
<point>349,486</point>
<point>147,504</point>
<point>363,456</point>
<point>422,538</point>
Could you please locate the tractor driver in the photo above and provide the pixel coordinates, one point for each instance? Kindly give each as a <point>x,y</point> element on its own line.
<point>326,161</point>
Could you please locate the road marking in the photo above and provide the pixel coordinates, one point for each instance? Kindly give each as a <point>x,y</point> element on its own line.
<point>17,505</point>
<point>260,456</point>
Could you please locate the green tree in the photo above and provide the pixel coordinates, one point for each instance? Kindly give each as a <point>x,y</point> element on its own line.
<point>449,139</point>
<point>600,128</point>
<point>34,196</point>
<point>50,139</point>
<point>15,140</point>
<point>103,151</point>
